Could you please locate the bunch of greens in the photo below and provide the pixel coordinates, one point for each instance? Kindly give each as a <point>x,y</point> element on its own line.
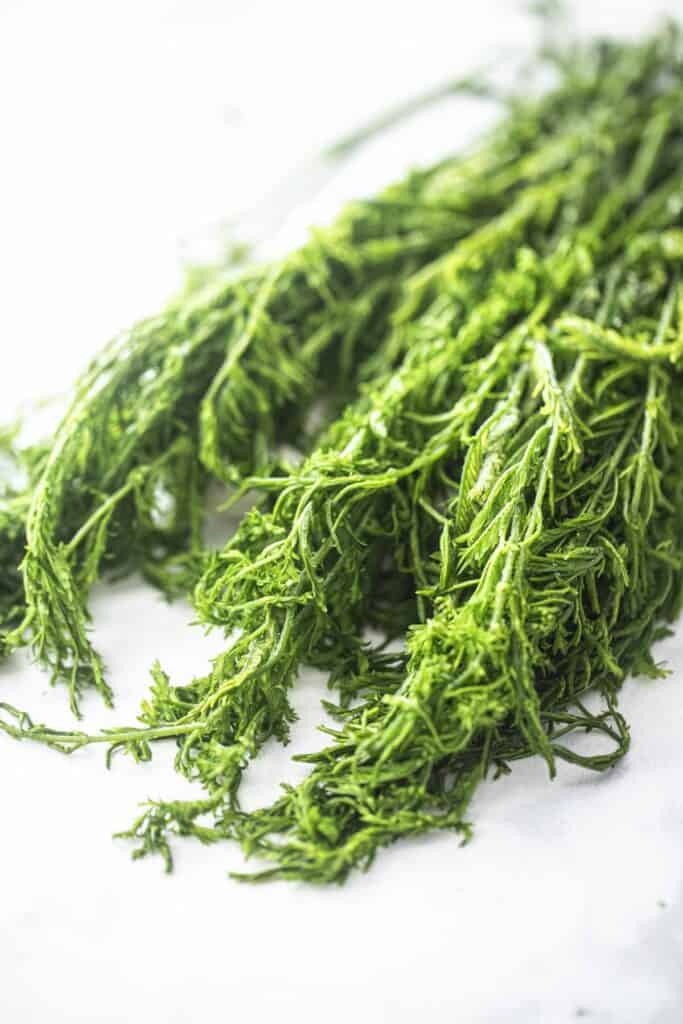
<point>494,475</point>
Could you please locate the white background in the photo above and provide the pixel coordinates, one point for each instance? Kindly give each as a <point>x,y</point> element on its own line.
<point>131,133</point>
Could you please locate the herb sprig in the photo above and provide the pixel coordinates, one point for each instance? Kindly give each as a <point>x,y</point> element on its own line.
<point>498,481</point>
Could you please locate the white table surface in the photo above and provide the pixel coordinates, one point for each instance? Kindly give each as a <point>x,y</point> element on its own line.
<point>129,131</point>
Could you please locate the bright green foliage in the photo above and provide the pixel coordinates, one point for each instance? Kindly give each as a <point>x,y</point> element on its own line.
<point>208,387</point>
<point>504,484</point>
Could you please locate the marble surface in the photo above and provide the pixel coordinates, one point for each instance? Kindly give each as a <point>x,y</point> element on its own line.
<point>131,135</point>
